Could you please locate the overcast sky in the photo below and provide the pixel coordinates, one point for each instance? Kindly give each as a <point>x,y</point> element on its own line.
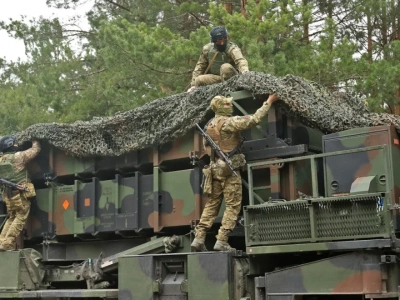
<point>11,48</point>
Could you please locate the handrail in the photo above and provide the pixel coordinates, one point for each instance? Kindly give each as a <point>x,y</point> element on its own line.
<point>312,159</point>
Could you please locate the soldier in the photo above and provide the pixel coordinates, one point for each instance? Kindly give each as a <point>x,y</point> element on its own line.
<point>13,163</point>
<point>219,60</point>
<point>220,182</point>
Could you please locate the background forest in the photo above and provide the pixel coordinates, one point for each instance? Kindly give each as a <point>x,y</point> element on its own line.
<point>135,51</point>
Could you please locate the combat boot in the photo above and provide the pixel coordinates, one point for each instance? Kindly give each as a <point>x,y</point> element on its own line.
<point>198,245</point>
<point>223,246</point>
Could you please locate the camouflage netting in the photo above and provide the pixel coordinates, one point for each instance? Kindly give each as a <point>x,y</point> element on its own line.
<point>168,118</point>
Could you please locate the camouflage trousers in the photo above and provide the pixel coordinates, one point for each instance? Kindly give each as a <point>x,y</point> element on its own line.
<point>226,72</point>
<point>228,188</point>
<point>18,207</point>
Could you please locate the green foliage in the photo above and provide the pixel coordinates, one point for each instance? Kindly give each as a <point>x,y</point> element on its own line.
<point>137,51</point>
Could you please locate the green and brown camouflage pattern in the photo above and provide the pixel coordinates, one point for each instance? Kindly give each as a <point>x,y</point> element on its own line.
<point>361,194</point>
<point>183,276</point>
<point>342,171</point>
<point>318,220</point>
<point>334,247</point>
<point>151,189</point>
<point>313,241</point>
<point>59,165</point>
<point>353,216</point>
<point>55,164</point>
<point>368,273</point>
<point>123,204</point>
<point>21,270</point>
<point>225,275</point>
<point>343,174</point>
<point>275,124</point>
<point>282,181</point>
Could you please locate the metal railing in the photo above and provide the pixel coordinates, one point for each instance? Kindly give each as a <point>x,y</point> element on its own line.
<point>312,159</point>
<point>353,216</point>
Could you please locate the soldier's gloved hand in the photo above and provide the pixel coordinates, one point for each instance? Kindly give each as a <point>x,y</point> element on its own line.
<point>271,99</point>
<point>190,89</point>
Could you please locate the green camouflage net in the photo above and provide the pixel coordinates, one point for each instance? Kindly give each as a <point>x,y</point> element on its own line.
<point>166,119</point>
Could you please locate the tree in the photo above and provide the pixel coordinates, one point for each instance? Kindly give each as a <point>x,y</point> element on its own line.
<point>137,51</point>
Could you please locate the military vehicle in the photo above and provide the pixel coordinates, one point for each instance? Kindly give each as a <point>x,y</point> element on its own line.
<point>320,219</point>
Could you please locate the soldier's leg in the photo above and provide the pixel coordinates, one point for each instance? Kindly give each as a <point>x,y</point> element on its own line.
<point>227,71</point>
<point>7,225</point>
<point>207,79</point>
<point>21,215</point>
<point>208,216</point>
<point>211,210</point>
<point>233,201</point>
<point>10,218</point>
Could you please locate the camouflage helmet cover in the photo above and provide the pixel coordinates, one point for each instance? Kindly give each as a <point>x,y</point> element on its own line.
<point>219,101</point>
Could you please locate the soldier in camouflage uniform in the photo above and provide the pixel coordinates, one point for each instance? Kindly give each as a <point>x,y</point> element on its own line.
<point>220,182</point>
<point>219,60</point>
<point>13,168</point>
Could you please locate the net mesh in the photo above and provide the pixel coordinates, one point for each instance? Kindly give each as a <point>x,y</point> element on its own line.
<point>335,218</point>
<point>168,118</point>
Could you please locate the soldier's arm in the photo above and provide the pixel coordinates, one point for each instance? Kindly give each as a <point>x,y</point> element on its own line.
<point>22,158</point>
<point>201,65</point>
<point>240,62</point>
<point>239,123</point>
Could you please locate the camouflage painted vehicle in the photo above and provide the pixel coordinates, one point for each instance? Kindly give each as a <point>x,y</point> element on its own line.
<point>319,220</point>
<point>154,191</point>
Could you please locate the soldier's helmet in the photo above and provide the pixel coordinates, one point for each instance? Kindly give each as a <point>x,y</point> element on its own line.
<point>218,33</point>
<point>219,102</point>
<point>7,142</point>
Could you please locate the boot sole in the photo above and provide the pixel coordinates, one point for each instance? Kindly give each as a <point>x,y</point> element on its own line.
<point>195,249</point>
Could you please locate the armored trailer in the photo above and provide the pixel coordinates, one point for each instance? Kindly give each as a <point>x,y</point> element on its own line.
<point>319,220</point>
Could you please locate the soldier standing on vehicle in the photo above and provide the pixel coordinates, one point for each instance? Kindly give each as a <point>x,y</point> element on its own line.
<point>13,163</point>
<point>219,60</point>
<point>220,182</point>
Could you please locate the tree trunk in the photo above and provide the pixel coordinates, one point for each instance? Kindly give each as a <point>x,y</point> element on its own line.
<point>259,14</point>
<point>384,28</point>
<point>397,10</point>
<point>306,31</point>
<point>228,7</point>
<point>369,34</point>
<point>393,20</point>
<point>396,105</point>
<point>243,4</point>
<point>330,16</point>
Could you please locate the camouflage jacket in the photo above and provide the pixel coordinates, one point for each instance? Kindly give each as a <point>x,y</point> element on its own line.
<point>231,127</point>
<point>13,165</point>
<point>239,123</point>
<point>22,158</point>
<point>234,53</point>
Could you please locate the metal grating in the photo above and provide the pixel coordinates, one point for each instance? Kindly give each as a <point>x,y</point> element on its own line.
<point>320,219</point>
<point>280,222</point>
<point>342,217</point>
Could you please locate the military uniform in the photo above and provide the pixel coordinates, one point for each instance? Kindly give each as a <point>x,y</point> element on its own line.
<point>13,168</point>
<point>220,182</point>
<point>225,65</point>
